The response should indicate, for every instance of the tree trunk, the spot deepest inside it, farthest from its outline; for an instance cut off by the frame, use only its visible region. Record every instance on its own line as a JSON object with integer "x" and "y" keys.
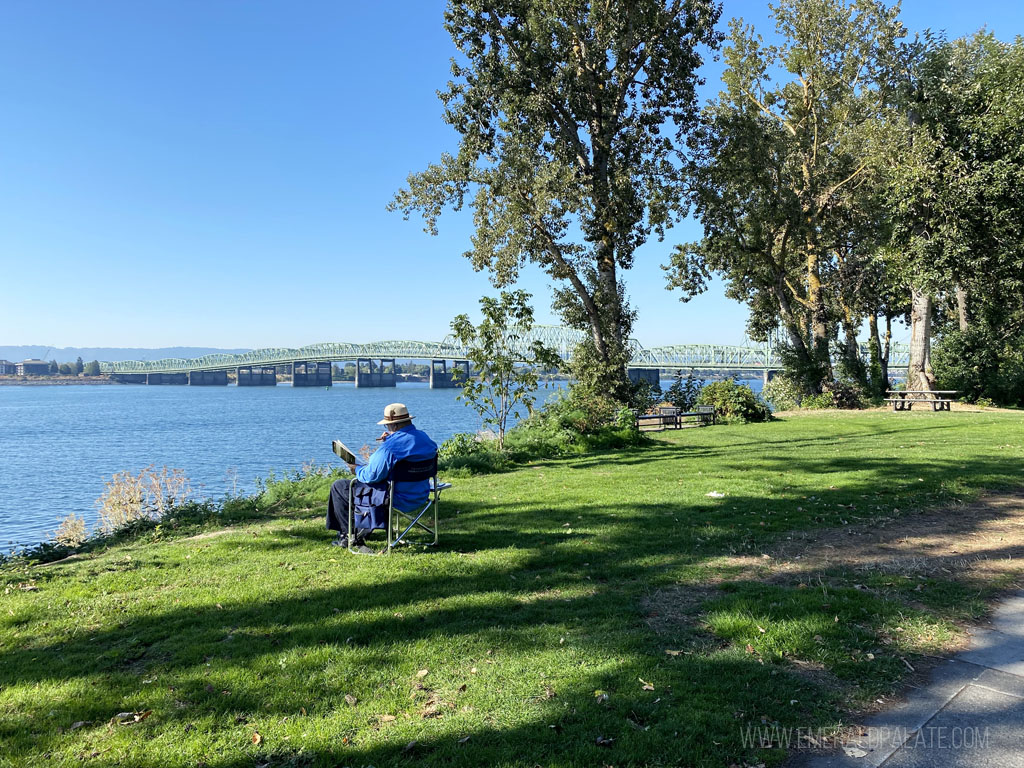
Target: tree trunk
{"x": 885, "y": 349}
{"x": 818, "y": 317}
{"x": 851, "y": 348}
{"x": 607, "y": 288}
{"x": 961, "y": 306}
{"x": 879, "y": 382}
{"x": 792, "y": 325}
{"x": 919, "y": 370}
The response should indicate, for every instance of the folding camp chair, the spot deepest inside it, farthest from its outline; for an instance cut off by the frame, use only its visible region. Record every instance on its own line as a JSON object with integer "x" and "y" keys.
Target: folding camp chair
{"x": 405, "y": 471}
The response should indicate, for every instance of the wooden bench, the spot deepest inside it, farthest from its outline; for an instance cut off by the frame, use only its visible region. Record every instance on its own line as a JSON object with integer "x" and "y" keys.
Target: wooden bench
{"x": 675, "y": 418}
{"x": 904, "y": 399}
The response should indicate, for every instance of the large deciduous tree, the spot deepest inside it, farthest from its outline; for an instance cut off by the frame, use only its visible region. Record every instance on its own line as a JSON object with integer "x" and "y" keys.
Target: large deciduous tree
{"x": 572, "y": 116}
{"x": 779, "y": 152}
{"x": 956, "y": 185}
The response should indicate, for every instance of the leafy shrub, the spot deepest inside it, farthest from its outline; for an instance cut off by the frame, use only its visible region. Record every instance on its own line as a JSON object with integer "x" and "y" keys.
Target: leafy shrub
{"x": 977, "y": 364}
{"x": 734, "y": 402}
{"x": 643, "y": 396}
{"x": 469, "y": 454}
{"x": 817, "y": 402}
{"x": 573, "y": 424}
{"x": 846, "y": 393}
{"x": 782, "y": 393}
{"x": 683, "y": 392}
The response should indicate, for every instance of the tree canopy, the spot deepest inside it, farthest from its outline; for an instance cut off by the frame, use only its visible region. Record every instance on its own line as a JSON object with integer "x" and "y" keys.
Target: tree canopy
{"x": 779, "y": 165}
{"x": 572, "y": 117}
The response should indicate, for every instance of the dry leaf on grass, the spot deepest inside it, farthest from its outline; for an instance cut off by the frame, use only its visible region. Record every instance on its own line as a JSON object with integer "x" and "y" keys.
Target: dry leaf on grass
{"x": 350, "y": 699}
{"x": 386, "y": 718}
{"x": 130, "y": 718}
{"x": 644, "y": 685}
{"x": 422, "y": 673}
{"x": 256, "y": 738}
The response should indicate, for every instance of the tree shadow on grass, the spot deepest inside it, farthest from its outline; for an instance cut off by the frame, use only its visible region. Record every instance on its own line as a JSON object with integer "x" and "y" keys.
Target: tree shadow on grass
{"x": 217, "y": 662}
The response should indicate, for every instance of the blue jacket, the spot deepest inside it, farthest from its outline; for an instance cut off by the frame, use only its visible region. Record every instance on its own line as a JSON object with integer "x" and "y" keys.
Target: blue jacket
{"x": 407, "y": 442}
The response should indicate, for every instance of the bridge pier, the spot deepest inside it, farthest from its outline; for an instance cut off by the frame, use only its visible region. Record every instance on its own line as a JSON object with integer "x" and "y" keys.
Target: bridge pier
{"x": 444, "y": 379}
{"x": 207, "y": 378}
{"x": 769, "y": 374}
{"x": 375, "y": 376}
{"x": 166, "y": 378}
{"x": 650, "y": 375}
{"x": 306, "y": 374}
{"x": 257, "y": 376}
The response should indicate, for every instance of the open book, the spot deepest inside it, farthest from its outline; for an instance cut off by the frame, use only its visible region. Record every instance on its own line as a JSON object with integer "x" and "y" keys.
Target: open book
{"x": 345, "y": 454}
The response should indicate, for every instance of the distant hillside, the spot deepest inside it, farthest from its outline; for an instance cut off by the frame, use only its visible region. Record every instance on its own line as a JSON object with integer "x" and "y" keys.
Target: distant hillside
{"x": 108, "y": 354}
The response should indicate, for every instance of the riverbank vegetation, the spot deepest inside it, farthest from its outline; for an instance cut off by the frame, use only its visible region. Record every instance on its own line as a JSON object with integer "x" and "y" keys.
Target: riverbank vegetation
{"x": 645, "y": 605}
{"x": 847, "y": 174}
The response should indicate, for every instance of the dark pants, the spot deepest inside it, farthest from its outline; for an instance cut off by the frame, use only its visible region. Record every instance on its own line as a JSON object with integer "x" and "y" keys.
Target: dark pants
{"x": 370, "y": 502}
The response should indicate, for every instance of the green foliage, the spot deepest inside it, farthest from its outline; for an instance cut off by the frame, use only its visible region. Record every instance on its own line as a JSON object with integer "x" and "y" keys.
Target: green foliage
{"x": 683, "y": 392}
{"x": 779, "y": 168}
{"x": 979, "y": 364}
{"x": 66, "y": 369}
{"x": 807, "y": 372}
{"x": 782, "y": 393}
{"x": 571, "y": 120}
{"x": 734, "y": 402}
{"x": 92, "y": 368}
{"x": 818, "y": 402}
{"x": 502, "y": 382}
{"x": 846, "y": 393}
{"x": 468, "y": 454}
{"x": 643, "y": 395}
{"x": 573, "y": 424}
{"x": 79, "y": 366}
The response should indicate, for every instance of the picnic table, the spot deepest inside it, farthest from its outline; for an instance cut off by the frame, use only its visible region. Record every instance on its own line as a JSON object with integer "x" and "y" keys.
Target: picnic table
{"x": 904, "y": 399}
{"x": 675, "y": 418}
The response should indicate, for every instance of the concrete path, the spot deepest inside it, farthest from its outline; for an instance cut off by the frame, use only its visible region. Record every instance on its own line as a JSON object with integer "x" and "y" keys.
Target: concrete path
{"x": 970, "y": 714}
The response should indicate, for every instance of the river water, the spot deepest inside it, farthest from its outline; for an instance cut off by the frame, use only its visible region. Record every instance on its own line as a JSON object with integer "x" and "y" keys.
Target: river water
{"x": 58, "y": 444}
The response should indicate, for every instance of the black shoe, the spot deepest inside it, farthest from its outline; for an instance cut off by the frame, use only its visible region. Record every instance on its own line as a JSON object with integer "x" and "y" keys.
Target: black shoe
{"x": 339, "y": 542}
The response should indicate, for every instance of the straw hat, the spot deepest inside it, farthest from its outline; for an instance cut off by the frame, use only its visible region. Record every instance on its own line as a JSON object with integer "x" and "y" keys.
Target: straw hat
{"x": 395, "y": 413}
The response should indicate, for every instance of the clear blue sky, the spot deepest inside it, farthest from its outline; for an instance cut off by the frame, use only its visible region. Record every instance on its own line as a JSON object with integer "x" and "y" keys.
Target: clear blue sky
{"x": 214, "y": 172}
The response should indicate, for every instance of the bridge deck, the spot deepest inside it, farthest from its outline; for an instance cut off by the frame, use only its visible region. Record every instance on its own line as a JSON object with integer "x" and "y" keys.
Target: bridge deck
{"x": 704, "y": 357}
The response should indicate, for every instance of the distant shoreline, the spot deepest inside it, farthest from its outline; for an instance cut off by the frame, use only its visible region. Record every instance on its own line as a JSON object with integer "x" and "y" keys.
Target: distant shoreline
{"x": 54, "y": 381}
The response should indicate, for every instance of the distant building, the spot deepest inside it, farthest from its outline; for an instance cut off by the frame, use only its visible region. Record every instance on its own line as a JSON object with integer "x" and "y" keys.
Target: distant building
{"x": 32, "y": 368}
{"x": 7, "y": 368}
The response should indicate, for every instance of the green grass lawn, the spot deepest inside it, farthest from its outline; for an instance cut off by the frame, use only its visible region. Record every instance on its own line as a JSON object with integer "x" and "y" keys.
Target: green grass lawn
{"x": 538, "y": 632}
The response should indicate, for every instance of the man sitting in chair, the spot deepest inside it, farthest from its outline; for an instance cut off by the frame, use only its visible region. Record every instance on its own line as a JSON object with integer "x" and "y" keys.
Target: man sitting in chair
{"x": 369, "y": 492}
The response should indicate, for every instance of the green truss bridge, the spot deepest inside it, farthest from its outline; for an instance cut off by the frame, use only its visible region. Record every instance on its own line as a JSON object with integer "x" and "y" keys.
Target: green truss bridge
{"x": 375, "y": 361}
